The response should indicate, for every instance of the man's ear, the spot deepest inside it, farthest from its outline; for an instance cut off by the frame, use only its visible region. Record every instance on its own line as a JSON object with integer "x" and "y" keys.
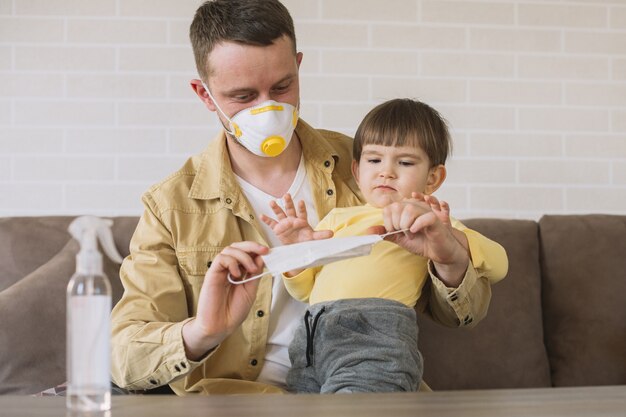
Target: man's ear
{"x": 436, "y": 177}
{"x": 355, "y": 170}
{"x": 299, "y": 58}
{"x": 203, "y": 95}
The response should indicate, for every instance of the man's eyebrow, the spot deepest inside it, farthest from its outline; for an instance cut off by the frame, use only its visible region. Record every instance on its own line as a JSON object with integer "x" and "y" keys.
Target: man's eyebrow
{"x": 245, "y": 90}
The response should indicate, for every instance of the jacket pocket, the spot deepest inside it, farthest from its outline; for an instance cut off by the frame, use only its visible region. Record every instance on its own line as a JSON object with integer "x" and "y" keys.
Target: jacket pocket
{"x": 194, "y": 263}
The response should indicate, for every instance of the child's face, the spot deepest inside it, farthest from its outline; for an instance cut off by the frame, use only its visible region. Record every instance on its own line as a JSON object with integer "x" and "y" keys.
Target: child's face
{"x": 388, "y": 174}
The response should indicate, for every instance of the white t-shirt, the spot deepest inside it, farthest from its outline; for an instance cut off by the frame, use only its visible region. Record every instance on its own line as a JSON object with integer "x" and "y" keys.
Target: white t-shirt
{"x": 285, "y": 312}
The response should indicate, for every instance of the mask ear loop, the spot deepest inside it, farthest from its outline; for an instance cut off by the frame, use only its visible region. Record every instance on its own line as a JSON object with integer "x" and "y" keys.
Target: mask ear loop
{"x": 244, "y": 280}
{"x": 219, "y": 108}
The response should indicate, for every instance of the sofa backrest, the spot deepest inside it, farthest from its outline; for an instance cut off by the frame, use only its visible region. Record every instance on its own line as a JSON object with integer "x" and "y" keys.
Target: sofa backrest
{"x": 583, "y": 262}
{"x": 506, "y": 349}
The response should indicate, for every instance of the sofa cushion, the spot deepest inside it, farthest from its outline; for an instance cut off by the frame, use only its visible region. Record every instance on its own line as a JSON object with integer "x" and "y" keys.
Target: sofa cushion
{"x": 32, "y": 347}
{"x": 506, "y": 348}
{"x": 27, "y": 243}
{"x": 584, "y": 280}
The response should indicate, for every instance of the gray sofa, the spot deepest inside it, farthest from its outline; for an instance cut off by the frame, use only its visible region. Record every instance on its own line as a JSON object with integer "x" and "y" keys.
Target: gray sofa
{"x": 558, "y": 319}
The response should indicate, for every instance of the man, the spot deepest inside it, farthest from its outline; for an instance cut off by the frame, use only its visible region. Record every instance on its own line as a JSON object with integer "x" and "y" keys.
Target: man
{"x": 178, "y": 322}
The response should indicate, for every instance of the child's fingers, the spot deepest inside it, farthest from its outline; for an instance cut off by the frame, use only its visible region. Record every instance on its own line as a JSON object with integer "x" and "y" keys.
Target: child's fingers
{"x": 433, "y": 202}
{"x": 302, "y": 210}
{"x": 289, "y": 207}
{"x": 268, "y": 221}
{"x": 445, "y": 207}
{"x": 280, "y": 214}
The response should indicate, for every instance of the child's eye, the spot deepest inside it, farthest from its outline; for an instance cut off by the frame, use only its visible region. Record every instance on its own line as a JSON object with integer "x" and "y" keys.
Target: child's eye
{"x": 406, "y": 163}
{"x": 373, "y": 160}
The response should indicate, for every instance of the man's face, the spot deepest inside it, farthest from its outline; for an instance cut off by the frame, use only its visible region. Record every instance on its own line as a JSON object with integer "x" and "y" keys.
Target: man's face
{"x": 388, "y": 174}
{"x": 243, "y": 76}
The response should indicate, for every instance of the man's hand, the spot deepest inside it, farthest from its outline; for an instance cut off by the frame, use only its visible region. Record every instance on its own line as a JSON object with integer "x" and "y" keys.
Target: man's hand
{"x": 291, "y": 225}
{"x": 222, "y": 306}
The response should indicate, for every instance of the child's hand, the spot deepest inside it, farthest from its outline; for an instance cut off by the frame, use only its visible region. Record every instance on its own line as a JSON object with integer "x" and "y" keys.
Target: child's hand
{"x": 291, "y": 225}
{"x": 430, "y": 235}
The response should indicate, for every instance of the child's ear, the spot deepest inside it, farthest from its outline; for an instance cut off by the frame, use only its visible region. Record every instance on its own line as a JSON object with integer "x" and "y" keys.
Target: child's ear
{"x": 436, "y": 177}
{"x": 355, "y": 170}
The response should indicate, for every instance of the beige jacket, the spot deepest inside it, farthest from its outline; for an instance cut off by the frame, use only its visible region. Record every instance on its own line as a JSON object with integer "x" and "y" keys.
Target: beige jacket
{"x": 189, "y": 218}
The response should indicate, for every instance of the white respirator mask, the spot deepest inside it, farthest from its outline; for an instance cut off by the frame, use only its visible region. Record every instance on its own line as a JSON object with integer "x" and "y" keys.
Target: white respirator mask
{"x": 264, "y": 129}
{"x": 315, "y": 253}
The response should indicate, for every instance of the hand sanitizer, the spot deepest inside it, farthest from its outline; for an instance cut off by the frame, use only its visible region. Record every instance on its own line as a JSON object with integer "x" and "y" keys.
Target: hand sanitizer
{"x": 88, "y": 318}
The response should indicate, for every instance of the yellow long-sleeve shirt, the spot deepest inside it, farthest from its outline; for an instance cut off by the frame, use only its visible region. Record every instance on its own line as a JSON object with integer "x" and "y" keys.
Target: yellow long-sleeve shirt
{"x": 389, "y": 271}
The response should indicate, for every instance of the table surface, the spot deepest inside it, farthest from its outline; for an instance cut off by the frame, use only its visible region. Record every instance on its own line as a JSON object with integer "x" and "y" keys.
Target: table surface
{"x": 544, "y": 402}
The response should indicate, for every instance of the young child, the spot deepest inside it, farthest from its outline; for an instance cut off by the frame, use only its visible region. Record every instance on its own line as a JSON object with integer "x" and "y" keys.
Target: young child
{"x": 359, "y": 332}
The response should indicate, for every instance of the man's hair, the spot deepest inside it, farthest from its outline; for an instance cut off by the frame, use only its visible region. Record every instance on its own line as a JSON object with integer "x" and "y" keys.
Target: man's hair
{"x": 248, "y": 22}
{"x": 405, "y": 122}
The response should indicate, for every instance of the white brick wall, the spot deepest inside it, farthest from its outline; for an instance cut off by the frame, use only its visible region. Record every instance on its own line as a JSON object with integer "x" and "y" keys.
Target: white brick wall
{"x": 95, "y": 103}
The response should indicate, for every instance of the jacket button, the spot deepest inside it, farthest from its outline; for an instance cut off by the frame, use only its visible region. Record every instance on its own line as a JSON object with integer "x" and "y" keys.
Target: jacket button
{"x": 254, "y": 362}
{"x": 260, "y": 313}
{"x": 153, "y": 381}
{"x": 228, "y": 201}
{"x": 330, "y": 192}
{"x": 326, "y": 164}
{"x": 208, "y": 264}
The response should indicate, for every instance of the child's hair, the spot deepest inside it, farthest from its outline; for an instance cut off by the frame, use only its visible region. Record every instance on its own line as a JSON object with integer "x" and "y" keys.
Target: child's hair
{"x": 249, "y": 22}
{"x": 405, "y": 122}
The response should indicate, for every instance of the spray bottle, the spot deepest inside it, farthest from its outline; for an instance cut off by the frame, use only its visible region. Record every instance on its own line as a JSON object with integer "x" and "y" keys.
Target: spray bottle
{"x": 88, "y": 318}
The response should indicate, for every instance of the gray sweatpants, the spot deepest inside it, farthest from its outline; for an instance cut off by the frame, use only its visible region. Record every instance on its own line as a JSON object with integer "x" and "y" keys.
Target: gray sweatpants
{"x": 356, "y": 345}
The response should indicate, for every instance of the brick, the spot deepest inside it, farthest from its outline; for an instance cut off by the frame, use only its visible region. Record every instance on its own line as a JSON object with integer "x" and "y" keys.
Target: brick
{"x": 619, "y": 173}
{"x": 336, "y": 35}
{"x": 6, "y": 59}
{"x": 6, "y": 6}
{"x": 618, "y": 121}
{"x": 617, "y": 17}
{"x": 508, "y": 40}
{"x": 179, "y": 86}
{"x": 22, "y": 29}
{"x": 68, "y": 59}
{"x": 5, "y": 168}
{"x": 66, "y": 7}
{"x": 563, "y": 119}
{"x": 168, "y": 9}
{"x": 60, "y": 113}
{"x": 30, "y": 141}
{"x": 117, "y": 141}
{"x": 429, "y": 90}
{"x": 380, "y": 62}
{"x": 106, "y": 198}
{"x": 563, "y": 67}
{"x": 515, "y": 145}
{"x": 596, "y": 94}
{"x": 299, "y": 9}
{"x": 162, "y": 114}
{"x": 5, "y": 112}
{"x": 373, "y": 10}
{"x": 189, "y": 141}
{"x": 562, "y": 16}
{"x": 17, "y": 85}
{"x": 467, "y": 65}
{"x": 515, "y": 92}
{"x": 563, "y": 172}
{"x": 480, "y": 171}
{"x": 594, "y": 43}
{"x": 595, "y": 146}
{"x": 481, "y": 12}
{"x": 519, "y": 198}
{"x": 116, "y": 86}
{"x": 162, "y": 58}
{"x": 311, "y": 62}
{"x": 605, "y": 200}
{"x": 478, "y": 117}
{"x": 456, "y": 196}
{"x": 460, "y": 144}
{"x": 150, "y": 169}
{"x": 19, "y": 199}
{"x": 343, "y": 116}
{"x": 62, "y": 168}
{"x": 619, "y": 69}
{"x": 116, "y": 31}
{"x": 335, "y": 88}
{"x": 418, "y": 37}
{"x": 178, "y": 32}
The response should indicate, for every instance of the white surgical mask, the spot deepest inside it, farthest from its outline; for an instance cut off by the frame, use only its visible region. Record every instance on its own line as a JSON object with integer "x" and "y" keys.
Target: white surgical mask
{"x": 264, "y": 129}
{"x": 314, "y": 253}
